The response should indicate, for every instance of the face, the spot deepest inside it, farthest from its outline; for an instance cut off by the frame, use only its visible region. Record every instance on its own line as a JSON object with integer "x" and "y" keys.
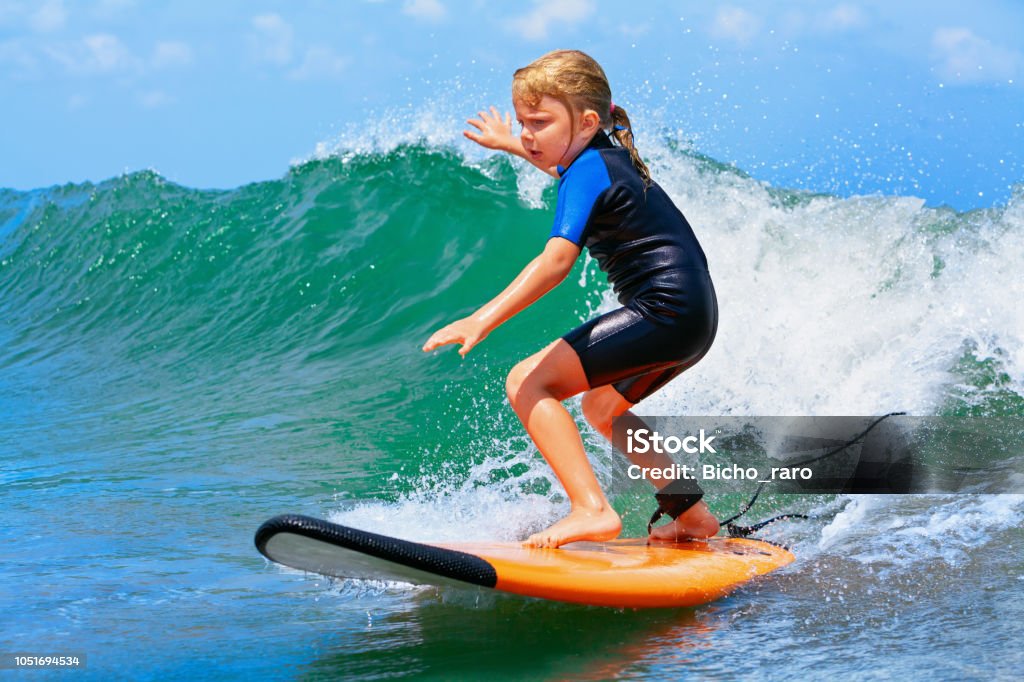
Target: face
{"x": 547, "y": 133}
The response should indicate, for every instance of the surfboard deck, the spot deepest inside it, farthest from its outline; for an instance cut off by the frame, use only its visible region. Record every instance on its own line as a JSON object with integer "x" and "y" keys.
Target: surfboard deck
{"x": 630, "y": 573}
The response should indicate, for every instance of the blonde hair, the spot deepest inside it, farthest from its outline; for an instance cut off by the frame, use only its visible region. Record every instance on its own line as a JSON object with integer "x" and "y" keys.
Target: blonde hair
{"x": 578, "y": 82}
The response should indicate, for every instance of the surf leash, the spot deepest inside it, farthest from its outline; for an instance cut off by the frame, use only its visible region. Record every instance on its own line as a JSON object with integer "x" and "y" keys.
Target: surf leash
{"x": 681, "y": 494}
{"x": 737, "y": 531}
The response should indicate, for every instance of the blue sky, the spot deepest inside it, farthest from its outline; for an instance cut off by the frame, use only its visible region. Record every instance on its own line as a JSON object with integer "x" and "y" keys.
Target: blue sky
{"x": 859, "y": 96}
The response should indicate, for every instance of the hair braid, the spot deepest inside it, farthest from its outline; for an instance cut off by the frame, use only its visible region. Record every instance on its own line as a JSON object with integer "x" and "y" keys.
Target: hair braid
{"x": 623, "y": 133}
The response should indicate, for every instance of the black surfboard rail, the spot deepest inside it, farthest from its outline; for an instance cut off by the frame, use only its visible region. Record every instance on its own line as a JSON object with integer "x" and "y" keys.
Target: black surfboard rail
{"x": 437, "y": 560}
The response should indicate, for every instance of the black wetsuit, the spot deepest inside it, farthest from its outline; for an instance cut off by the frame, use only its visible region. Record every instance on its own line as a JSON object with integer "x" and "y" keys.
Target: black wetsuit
{"x": 654, "y": 263}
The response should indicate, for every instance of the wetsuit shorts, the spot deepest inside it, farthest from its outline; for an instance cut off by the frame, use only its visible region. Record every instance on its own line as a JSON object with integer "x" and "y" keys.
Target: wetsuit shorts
{"x": 637, "y": 354}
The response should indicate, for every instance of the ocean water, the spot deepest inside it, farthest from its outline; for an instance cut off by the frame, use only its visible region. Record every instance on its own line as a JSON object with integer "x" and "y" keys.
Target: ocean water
{"x": 178, "y": 365}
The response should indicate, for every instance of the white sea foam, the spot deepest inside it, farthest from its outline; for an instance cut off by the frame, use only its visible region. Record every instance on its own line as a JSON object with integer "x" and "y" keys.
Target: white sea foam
{"x": 844, "y": 306}
{"x": 901, "y": 531}
{"x": 486, "y": 505}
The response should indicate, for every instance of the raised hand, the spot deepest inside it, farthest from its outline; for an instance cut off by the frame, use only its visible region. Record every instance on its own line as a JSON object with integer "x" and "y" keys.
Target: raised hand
{"x": 495, "y": 132}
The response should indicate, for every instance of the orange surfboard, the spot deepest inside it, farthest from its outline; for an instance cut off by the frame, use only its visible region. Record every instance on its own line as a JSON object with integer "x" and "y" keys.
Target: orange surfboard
{"x": 630, "y": 573}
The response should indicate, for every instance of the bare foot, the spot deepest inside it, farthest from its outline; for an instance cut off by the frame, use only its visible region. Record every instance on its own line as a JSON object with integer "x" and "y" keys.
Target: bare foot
{"x": 696, "y": 523}
{"x": 581, "y": 524}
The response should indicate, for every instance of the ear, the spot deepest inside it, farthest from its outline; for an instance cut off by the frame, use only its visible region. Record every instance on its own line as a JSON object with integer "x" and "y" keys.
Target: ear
{"x": 590, "y": 121}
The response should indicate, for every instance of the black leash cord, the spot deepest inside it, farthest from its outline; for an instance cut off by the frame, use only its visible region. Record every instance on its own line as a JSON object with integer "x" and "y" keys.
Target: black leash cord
{"x": 743, "y": 531}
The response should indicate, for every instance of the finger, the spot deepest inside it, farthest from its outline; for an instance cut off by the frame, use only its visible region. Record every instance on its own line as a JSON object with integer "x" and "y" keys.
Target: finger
{"x": 479, "y": 125}
{"x": 433, "y": 342}
{"x": 495, "y": 113}
{"x": 471, "y": 135}
{"x": 468, "y": 345}
{"x": 431, "y": 346}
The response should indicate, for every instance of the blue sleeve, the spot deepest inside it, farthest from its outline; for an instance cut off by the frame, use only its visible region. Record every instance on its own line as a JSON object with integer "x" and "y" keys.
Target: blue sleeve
{"x": 579, "y": 190}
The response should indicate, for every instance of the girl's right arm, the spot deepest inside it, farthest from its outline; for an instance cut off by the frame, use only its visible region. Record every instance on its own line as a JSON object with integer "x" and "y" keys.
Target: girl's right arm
{"x": 539, "y": 276}
{"x": 496, "y": 133}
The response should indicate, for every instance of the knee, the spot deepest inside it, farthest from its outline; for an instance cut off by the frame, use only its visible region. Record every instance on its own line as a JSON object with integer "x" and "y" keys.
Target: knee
{"x": 527, "y": 383}
{"x": 515, "y": 382}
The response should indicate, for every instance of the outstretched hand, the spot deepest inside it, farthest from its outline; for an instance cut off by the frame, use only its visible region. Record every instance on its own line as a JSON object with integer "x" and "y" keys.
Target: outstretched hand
{"x": 495, "y": 132}
{"x": 466, "y": 331}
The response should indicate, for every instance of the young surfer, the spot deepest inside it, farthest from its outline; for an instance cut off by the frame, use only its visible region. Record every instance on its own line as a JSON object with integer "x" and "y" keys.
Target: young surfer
{"x": 607, "y": 203}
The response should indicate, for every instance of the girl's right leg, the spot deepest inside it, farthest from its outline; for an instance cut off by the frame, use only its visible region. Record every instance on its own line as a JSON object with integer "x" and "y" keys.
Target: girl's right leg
{"x": 602, "y": 405}
{"x": 536, "y": 388}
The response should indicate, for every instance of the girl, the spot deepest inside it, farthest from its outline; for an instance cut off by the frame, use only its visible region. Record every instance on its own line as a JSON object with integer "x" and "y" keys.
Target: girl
{"x": 608, "y": 203}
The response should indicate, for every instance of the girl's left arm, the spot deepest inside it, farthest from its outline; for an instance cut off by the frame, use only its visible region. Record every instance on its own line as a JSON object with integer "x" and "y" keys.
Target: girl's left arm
{"x": 540, "y": 276}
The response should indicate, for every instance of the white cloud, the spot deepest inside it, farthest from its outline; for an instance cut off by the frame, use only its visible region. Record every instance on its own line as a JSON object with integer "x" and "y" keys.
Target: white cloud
{"x": 820, "y": 24}
{"x": 106, "y": 52}
{"x": 546, "y": 13}
{"x": 112, "y": 10}
{"x": 10, "y": 11}
{"x": 431, "y": 10}
{"x": 18, "y": 55}
{"x": 51, "y": 16}
{"x": 843, "y": 17}
{"x": 41, "y": 17}
{"x": 97, "y": 53}
{"x": 272, "y": 41}
{"x": 320, "y": 62}
{"x": 171, "y": 53}
{"x": 154, "y": 99}
{"x": 632, "y": 30}
{"x": 963, "y": 57}
{"x": 114, "y": 6}
{"x": 736, "y": 24}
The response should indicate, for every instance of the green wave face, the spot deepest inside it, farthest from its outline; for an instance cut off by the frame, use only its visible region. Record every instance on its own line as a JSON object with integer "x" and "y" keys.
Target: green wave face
{"x": 298, "y": 306}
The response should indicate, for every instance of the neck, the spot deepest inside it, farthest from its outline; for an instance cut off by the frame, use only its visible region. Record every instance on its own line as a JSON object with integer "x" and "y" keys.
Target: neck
{"x": 576, "y": 148}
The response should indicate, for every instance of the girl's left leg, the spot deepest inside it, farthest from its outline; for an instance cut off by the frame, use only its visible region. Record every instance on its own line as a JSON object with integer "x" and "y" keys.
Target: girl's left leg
{"x": 536, "y": 388}
{"x": 600, "y": 407}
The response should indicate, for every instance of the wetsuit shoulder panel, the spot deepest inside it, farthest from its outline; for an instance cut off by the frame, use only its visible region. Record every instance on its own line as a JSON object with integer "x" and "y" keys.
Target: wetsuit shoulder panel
{"x": 585, "y": 181}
